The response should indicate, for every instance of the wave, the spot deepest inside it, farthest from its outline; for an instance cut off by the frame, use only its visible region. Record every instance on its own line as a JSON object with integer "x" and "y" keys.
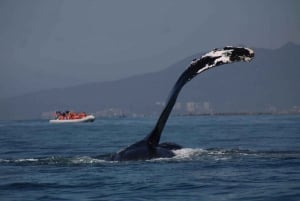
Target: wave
{"x": 185, "y": 154}
{"x": 29, "y": 186}
{"x": 54, "y": 160}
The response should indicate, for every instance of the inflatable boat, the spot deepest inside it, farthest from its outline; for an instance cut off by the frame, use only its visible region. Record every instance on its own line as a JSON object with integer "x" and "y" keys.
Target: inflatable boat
{"x": 88, "y": 118}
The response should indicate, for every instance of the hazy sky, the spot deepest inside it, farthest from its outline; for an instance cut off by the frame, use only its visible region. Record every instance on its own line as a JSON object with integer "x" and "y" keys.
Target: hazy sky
{"x": 46, "y": 44}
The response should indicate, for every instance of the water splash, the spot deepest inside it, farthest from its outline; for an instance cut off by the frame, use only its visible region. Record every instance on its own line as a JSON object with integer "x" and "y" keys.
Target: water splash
{"x": 185, "y": 154}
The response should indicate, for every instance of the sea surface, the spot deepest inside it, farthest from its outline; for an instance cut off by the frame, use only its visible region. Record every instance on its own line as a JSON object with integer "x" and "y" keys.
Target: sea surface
{"x": 255, "y": 157}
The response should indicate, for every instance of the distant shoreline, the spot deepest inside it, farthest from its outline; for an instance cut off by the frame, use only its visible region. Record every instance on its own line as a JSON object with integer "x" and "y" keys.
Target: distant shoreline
{"x": 176, "y": 115}
{"x": 240, "y": 113}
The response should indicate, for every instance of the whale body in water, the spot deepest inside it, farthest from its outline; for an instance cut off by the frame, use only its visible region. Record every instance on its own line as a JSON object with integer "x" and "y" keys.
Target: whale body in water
{"x": 149, "y": 147}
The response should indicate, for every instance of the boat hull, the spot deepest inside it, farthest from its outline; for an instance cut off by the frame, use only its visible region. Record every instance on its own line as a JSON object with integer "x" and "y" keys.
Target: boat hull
{"x": 89, "y": 118}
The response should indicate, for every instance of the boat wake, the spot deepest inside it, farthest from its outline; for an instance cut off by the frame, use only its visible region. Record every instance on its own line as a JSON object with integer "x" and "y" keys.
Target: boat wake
{"x": 185, "y": 154}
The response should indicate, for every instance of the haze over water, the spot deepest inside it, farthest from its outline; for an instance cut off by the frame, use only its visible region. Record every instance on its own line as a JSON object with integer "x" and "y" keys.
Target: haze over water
{"x": 59, "y": 43}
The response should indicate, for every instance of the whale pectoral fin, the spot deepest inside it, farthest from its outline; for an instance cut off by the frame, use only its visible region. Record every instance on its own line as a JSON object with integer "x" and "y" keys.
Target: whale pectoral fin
{"x": 149, "y": 147}
{"x": 217, "y": 57}
{"x": 153, "y": 138}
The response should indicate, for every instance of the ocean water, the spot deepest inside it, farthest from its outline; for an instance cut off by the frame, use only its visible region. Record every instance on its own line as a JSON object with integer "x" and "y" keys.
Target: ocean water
{"x": 225, "y": 158}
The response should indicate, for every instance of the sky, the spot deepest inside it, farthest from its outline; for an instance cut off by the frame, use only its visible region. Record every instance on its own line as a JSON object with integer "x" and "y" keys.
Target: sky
{"x": 60, "y": 43}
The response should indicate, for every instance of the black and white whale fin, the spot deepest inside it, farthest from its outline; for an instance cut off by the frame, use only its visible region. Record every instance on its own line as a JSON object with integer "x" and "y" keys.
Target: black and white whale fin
{"x": 228, "y": 54}
{"x": 216, "y": 57}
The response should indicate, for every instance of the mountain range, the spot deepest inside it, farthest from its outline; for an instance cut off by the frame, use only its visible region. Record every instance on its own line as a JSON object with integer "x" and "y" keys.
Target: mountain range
{"x": 270, "y": 83}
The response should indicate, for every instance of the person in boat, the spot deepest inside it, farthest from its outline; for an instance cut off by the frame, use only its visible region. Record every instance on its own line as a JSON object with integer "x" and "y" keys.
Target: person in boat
{"x": 74, "y": 115}
{"x": 69, "y": 115}
{"x": 82, "y": 115}
{"x": 58, "y": 115}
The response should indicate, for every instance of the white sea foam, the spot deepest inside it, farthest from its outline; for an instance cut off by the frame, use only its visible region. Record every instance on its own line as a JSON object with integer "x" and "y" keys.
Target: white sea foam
{"x": 187, "y": 153}
{"x": 86, "y": 160}
{"x": 26, "y": 160}
{"x": 4, "y": 161}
